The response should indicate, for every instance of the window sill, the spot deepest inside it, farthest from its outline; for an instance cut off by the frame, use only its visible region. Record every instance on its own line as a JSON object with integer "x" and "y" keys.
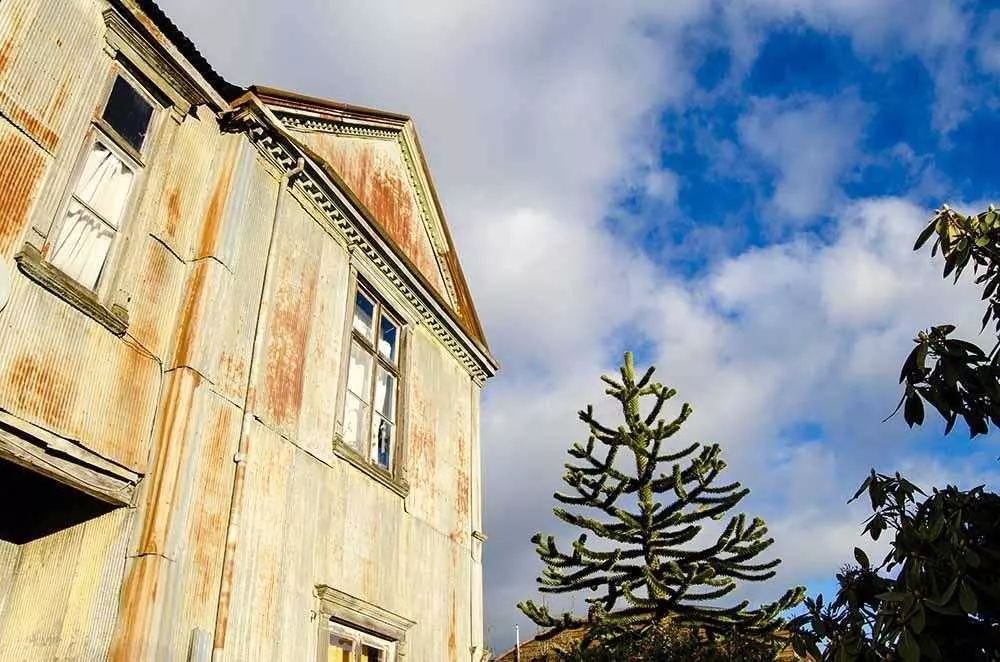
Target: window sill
{"x": 348, "y": 454}
{"x": 32, "y": 265}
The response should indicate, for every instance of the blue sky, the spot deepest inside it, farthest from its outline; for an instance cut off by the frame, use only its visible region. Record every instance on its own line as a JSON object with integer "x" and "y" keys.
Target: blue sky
{"x": 730, "y": 188}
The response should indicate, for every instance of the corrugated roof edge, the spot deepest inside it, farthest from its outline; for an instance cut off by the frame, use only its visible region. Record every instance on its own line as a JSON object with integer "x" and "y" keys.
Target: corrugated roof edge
{"x": 227, "y": 90}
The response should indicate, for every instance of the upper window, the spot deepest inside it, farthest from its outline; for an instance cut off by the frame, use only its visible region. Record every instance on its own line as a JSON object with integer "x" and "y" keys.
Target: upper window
{"x": 350, "y": 645}
{"x": 102, "y": 185}
{"x": 370, "y": 406}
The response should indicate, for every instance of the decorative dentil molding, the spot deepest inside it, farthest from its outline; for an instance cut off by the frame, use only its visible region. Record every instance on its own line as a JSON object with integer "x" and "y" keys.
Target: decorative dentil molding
{"x": 282, "y": 154}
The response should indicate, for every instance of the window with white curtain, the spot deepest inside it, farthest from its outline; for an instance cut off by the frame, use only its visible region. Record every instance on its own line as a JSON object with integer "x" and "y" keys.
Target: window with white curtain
{"x": 102, "y": 186}
{"x": 370, "y": 405}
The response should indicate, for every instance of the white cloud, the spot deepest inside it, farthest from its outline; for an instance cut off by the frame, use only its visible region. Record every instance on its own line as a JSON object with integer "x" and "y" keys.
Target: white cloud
{"x": 811, "y": 143}
{"x": 532, "y": 114}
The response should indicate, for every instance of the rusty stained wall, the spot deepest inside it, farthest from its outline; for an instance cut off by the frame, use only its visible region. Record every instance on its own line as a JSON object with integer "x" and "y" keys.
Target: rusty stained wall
{"x": 69, "y": 614}
{"x": 311, "y": 518}
{"x": 375, "y": 170}
{"x": 173, "y": 572}
{"x": 53, "y": 70}
{"x": 46, "y": 57}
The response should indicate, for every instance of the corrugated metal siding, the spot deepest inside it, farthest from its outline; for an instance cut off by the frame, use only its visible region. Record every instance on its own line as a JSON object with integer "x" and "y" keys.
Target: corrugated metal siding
{"x": 47, "y": 51}
{"x": 439, "y": 424}
{"x": 297, "y": 386}
{"x": 377, "y": 174}
{"x": 256, "y": 586}
{"x": 217, "y": 321}
{"x": 9, "y": 555}
{"x": 63, "y": 600}
{"x": 66, "y": 373}
{"x": 183, "y": 520}
{"x": 187, "y": 182}
{"x": 22, "y": 165}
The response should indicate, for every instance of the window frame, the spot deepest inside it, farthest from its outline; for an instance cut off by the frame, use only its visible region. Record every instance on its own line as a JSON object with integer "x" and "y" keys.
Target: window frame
{"x": 336, "y": 609}
{"x": 100, "y": 131}
{"x": 393, "y": 475}
{"x": 378, "y": 360}
{"x": 338, "y": 627}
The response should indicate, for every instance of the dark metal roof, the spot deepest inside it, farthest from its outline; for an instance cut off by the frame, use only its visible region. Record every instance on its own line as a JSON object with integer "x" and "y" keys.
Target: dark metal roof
{"x": 227, "y": 90}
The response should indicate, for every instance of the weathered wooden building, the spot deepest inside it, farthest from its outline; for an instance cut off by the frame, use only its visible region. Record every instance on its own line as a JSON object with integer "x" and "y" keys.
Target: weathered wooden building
{"x": 239, "y": 364}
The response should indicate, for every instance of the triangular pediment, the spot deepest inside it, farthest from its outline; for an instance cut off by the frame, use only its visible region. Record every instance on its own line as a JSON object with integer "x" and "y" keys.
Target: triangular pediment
{"x": 377, "y": 156}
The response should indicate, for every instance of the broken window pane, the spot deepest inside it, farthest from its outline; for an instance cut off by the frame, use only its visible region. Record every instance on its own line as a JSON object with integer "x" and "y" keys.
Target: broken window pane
{"x": 360, "y": 372}
{"x": 388, "y": 339}
{"x": 385, "y": 394}
{"x": 82, "y": 246}
{"x": 128, "y": 113}
{"x": 355, "y": 422}
{"x": 381, "y": 451}
{"x": 364, "y": 316}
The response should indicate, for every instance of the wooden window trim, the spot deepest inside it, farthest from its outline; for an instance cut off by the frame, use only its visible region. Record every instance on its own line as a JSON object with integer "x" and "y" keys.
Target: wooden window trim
{"x": 356, "y": 613}
{"x": 393, "y": 478}
{"x": 32, "y": 259}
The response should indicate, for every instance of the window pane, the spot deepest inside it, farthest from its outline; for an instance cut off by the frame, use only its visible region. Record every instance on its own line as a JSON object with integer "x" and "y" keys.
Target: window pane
{"x": 381, "y": 449}
{"x": 104, "y": 184}
{"x": 388, "y": 339}
{"x": 359, "y": 377}
{"x": 364, "y": 316}
{"x": 340, "y": 649}
{"x": 82, "y": 246}
{"x": 371, "y": 654}
{"x": 128, "y": 113}
{"x": 355, "y": 423}
{"x": 385, "y": 394}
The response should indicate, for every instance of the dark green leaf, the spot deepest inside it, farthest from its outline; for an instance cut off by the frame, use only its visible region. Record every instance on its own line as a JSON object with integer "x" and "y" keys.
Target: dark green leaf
{"x": 924, "y": 235}
{"x": 862, "y": 558}
{"x": 966, "y": 598}
{"x": 913, "y": 411}
{"x": 909, "y": 651}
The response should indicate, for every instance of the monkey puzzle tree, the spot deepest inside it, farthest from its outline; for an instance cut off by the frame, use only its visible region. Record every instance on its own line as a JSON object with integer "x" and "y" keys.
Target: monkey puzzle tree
{"x": 651, "y": 501}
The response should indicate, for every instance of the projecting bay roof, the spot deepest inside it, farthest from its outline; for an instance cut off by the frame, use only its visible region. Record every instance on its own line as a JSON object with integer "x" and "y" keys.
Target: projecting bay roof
{"x": 374, "y": 155}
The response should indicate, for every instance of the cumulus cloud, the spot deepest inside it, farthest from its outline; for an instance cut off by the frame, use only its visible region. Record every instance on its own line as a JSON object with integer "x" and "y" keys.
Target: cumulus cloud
{"x": 811, "y": 143}
{"x": 533, "y": 115}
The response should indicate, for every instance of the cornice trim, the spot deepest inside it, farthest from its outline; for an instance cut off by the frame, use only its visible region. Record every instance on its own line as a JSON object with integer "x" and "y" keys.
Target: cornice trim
{"x": 169, "y": 77}
{"x": 431, "y": 221}
{"x": 269, "y": 136}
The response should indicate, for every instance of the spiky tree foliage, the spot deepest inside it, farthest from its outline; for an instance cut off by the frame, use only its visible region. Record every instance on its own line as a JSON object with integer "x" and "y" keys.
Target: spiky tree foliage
{"x": 651, "y": 500}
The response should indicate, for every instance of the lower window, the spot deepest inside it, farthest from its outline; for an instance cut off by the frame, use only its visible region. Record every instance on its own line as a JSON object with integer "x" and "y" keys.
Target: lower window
{"x": 350, "y": 645}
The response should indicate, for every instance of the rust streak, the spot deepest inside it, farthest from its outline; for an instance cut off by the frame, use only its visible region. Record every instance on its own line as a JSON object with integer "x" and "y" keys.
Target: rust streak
{"x": 173, "y": 210}
{"x": 43, "y": 389}
{"x": 289, "y": 335}
{"x": 21, "y": 169}
{"x": 187, "y": 323}
{"x": 212, "y": 222}
{"x": 452, "y": 627}
{"x": 45, "y": 136}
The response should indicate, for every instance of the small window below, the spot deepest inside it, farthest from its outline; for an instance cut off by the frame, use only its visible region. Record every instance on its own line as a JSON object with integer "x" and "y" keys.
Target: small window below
{"x": 348, "y": 644}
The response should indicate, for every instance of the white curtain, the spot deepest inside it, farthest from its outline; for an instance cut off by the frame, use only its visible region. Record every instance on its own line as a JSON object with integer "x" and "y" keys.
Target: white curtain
{"x": 84, "y": 240}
